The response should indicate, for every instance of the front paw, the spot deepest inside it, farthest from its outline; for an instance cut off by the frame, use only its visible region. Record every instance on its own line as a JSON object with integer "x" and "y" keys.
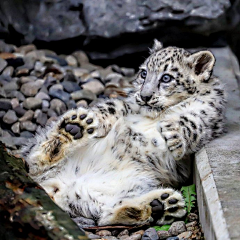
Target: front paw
{"x": 79, "y": 123}
{"x": 175, "y": 141}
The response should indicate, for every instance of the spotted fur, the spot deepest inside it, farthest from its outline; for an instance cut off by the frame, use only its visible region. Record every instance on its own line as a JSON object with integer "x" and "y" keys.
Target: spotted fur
{"x": 117, "y": 161}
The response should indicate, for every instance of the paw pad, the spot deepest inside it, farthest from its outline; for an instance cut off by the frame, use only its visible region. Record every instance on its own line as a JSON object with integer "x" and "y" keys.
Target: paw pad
{"x": 74, "y": 130}
{"x": 173, "y": 201}
{"x": 90, "y": 130}
{"x": 157, "y": 209}
{"x": 164, "y": 196}
{"x": 89, "y": 121}
{"x": 83, "y": 116}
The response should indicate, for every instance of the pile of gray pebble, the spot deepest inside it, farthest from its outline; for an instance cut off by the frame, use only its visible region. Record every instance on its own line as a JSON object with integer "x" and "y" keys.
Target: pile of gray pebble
{"x": 37, "y": 86}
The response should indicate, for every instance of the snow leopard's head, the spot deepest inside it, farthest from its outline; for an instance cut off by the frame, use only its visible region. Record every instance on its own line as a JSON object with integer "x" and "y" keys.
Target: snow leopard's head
{"x": 170, "y": 75}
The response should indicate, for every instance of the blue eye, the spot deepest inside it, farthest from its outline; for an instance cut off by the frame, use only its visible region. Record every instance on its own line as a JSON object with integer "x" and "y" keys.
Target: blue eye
{"x": 144, "y": 74}
{"x": 166, "y": 78}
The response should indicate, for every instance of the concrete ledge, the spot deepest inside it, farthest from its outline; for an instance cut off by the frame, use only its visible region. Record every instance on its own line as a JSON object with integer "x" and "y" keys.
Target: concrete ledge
{"x": 210, "y": 208}
{"x": 217, "y": 166}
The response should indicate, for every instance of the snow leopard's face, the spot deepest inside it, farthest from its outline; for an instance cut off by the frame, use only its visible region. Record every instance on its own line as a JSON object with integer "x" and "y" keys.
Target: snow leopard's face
{"x": 170, "y": 75}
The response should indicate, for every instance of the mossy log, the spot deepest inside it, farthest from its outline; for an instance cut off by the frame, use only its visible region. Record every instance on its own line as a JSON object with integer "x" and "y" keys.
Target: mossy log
{"x": 26, "y": 211}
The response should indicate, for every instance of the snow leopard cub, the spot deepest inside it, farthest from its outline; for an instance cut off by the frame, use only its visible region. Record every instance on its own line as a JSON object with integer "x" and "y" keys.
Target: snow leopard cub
{"x": 116, "y": 163}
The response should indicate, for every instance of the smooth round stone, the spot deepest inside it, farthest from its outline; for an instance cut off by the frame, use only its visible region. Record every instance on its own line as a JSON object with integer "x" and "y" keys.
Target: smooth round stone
{"x": 59, "y": 93}
{"x": 16, "y": 94}
{"x": 58, "y": 106}
{"x": 83, "y": 94}
{"x": 61, "y": 61}
{"x": 94, "y": 86}
{"x": 79, "y": 72}
{"x": 127, "y": 72}
{"x": 28, "y": 116}
{"x": 172, "y": 238}
{"x": 42, "y": 119}
{"x": 103, "y": 233}
{"x": 163, "y": 234}
{"x": 191, "y": 224}
{"x": 93, "y": 236}
{"x": 82, "y": 103}
{"x": 32, "y": 103}
{"x": 29, "y": 126}
{"x": 26, "y": 134}
{"x": 51, "y": 113}
{"x": 116, "y": 69}
{"x": 113, "y": 80}
{"x": 27, "y": 79}
{"x": 122, "y": 233}
{"x": 56, "y": 87}
{"x": 30, "y": 89}
{"x": 81, "y": 57}
{"x": 192, "y": 217}
{"x": 2, "y": 93}
{"x": 12, "y": 86}
{"x": 16, "y": 128}
{"x": 72, "y": 61}
{"x": 70, "y": 86}
{"x": 45, "y": 104}
{"x": 5, "y": 104}
{"x": 110, "y": 238}
{"x": 19, "y": 111}
{"x": 8, "y": 71}
{"x": 37, "y": 113}
{"x": 185, "y": 235}
{"x": 150, "y": 234}
{"x": 50, "y": 81}
{"x": 3, "y": 64}
{"x": 39, "y": 67}
{"x": 177, "y": 228}
{"x": 134, "y": 237}
{"x": 14, "y": 102}
{"x": 10, "y": 117}
{"x": 43, "y": 96}
{"x": 26, "y": 48}
{"x": 71, "y": 104}
{"x": 22, "y": 72}
{"x": 139, "y": 232}
{"x": 2, "y": 113}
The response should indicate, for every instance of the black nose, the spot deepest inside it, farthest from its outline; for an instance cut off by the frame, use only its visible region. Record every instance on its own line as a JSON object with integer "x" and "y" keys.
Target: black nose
{"x": 146, "y": 98}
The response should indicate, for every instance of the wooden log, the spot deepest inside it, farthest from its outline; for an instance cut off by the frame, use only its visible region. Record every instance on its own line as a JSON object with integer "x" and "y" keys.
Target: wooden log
{"x": 26, "y": 211}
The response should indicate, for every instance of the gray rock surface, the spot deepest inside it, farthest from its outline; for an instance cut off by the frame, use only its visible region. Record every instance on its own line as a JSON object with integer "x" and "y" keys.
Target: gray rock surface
{"x": 3, "y": 64}
{"x": 32, "y": 103}
{"x": 177, "y": 228}
{"x": 10, "y": 117}
{"x": 150, "y": 234}
{"x": 99, "y": 18}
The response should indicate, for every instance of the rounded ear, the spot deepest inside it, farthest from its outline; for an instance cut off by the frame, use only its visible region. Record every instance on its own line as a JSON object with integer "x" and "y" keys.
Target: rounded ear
{"x": 202, "y": 63}
{"x": 156, "y": 46}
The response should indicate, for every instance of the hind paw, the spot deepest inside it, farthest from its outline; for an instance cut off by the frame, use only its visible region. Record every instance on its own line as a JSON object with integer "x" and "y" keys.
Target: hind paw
{"x": 168, "y": 205}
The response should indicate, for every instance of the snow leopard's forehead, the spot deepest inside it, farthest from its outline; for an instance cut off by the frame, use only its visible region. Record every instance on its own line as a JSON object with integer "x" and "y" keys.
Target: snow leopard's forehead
{"x": 166, "y": 58}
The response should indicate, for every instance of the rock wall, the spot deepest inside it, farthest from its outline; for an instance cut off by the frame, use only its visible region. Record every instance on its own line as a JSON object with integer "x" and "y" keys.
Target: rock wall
{"x": 52, "y": 20}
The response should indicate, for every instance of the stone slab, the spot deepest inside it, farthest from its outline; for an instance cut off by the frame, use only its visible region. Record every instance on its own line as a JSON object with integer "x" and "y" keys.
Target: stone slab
{"x": 217, "y": 166}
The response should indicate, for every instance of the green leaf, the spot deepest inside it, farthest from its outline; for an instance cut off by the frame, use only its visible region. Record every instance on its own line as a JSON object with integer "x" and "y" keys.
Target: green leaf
{"x": 189, "y": 194}
{"x": 162, "y": 228}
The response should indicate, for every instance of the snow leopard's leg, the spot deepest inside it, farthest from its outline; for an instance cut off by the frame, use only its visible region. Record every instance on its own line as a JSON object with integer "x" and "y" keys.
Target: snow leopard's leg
{"x": 187, "y": 131}
{"x": 73, "y": 130}
{"x": 161, "y": 206}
